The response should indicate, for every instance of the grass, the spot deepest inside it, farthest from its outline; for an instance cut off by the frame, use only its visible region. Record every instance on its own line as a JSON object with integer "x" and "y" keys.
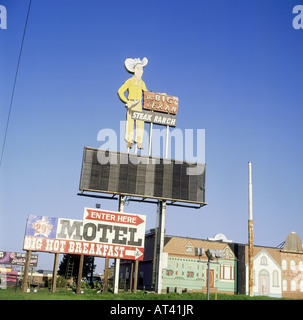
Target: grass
{"x": 89, "y": 294}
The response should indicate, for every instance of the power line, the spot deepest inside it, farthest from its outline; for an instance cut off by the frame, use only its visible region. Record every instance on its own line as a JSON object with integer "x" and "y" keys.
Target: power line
{"x": 15, "y": 81}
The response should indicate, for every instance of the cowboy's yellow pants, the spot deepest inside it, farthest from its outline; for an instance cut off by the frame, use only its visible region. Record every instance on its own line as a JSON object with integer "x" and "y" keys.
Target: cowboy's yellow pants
{"x": 130, "y": 123}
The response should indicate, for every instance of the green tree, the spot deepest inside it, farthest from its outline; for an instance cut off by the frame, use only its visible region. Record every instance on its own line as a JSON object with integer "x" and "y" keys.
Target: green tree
{"x": 73, "y": 259}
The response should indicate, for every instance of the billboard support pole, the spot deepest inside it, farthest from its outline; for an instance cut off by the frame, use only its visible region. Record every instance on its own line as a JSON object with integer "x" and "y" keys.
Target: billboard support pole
{"x": 117, "y": 261}
{"x": 80, "y": 273}
{"x": 105, "y": 278}
{"x": 161, "y": 213}
{"x": 166, "y": 142}
{"x": 54, "y": 282}
{"x": 26, "y": 269}
{"x": 160, "y": 245}
{"x": 135, "y": 284}
{"x": 136, "y": 276}
{"x": 150, "y": 138}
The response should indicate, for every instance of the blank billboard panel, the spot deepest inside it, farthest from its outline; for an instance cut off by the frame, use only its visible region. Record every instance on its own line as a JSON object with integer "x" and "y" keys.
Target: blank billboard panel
{"x": 141, "y": 176}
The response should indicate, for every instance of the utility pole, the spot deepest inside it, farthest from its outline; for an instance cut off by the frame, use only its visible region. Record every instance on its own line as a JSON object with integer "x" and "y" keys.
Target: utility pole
{"x": 250, "y": 235}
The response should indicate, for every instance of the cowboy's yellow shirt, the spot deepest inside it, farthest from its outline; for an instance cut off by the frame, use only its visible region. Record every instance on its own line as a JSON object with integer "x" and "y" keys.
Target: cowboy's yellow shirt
{"x": 134, "y": 88}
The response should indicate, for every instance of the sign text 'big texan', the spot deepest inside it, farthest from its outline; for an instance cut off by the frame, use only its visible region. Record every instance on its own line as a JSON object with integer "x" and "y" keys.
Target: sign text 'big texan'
{"x": 160, "y": 102}
{"x": 101, "y": 233}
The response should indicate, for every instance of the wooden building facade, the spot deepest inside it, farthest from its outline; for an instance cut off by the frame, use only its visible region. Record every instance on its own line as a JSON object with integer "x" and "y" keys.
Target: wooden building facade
{"x": 277, "y": 272}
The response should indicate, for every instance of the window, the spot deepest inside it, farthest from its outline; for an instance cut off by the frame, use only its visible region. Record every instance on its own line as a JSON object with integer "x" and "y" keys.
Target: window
{"x": 284, "y": 264}
{"x": 275, "y": 278}
{"x": 292, "y": 265}
{"x": 190, "y": 274}
{"x": 284, "y": 285}
{"x": 264, "y": 261}
{"x": 228, "y": 254}
{"x": 227, "y": 272}
{"x": 301, "y": 285}
{"x": 293, "y": 285}
{"x": 169, "y": 272}
{"x": 301, "y": 266}
{"x": 189, "y": 248}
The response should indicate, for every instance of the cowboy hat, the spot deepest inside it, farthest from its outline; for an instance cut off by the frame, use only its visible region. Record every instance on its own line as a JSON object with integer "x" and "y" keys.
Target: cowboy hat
{"x": 131, "y": 63}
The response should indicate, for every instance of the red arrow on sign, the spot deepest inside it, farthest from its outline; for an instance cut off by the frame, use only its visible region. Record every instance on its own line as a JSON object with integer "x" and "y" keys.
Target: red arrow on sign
{"x": 116, "y": 217}
{"x": 132, "y": 253}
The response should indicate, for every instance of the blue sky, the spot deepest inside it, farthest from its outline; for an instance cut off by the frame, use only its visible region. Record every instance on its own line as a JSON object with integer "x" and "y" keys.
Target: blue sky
{"x": 236, "y": 67}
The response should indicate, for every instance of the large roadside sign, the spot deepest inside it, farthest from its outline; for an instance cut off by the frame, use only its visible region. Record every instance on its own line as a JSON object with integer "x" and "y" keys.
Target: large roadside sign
{"x": 142, "y": 176}
{"x": 17, "y": 258}
{"x": 121, "y": 237}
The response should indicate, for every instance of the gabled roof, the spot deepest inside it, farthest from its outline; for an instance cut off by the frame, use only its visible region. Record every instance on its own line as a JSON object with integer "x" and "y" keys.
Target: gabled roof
{"x": 179, "y": 245}
{"x": 273, "y": 252}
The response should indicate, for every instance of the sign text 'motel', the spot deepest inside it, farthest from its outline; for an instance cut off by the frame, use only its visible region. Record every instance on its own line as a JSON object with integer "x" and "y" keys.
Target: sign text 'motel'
{"x": 116, "y": 235}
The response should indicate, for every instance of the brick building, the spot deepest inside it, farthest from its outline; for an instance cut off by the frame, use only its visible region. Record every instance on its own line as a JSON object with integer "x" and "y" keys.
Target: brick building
{"x": 292, "y": 267}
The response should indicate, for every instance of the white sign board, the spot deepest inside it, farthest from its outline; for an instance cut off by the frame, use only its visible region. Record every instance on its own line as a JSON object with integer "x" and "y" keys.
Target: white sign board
{"x": 101, "y": 234}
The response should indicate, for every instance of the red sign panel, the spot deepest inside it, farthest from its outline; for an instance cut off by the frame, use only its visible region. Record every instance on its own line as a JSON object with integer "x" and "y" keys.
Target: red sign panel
{"x": 83, "y": 247}
{"x": 160, "y": 102}
{"x": 112, "y": 216}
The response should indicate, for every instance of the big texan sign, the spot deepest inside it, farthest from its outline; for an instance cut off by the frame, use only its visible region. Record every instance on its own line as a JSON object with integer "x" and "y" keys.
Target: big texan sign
{"x": 159, "y": 108}
{"x": 101, "y": 234}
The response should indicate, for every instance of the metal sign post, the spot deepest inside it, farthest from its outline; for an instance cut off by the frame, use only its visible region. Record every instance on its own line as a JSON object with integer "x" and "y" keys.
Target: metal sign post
{"x": 166, "y": 142}
{"x": 160, "y": 244}
{"x": 150, "y": 138}
{"x": 161, "y": 213}
{"x": 117, "y": 261}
